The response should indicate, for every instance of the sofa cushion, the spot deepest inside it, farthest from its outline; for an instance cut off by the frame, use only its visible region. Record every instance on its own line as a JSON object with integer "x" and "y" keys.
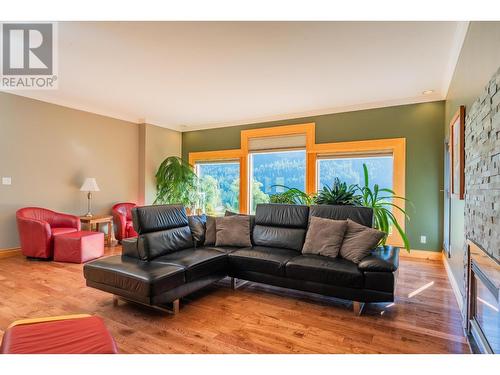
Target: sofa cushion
{"x": 233, "y": 231}
{"x": 197, "y": 224}
{"x": 324, "y": 236}
{"x": 326, "y": 270}
{"x": 282, "y": 215}
{"x": 361, "y": 215}
{"x": 197, "y": 262}
{"x": 286, "y": 238}
{"x": 154, "y": 244}
{"x": 359, "y": 241}
{"x": 161, "y": 217}
{"x": 142, "y": 278}
{"x": 261, "y": 259}
{"x": 280, "y": 226}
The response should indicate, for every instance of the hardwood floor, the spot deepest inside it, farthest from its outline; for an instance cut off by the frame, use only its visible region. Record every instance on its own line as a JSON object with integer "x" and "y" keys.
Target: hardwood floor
{"x": 253, "y": 319}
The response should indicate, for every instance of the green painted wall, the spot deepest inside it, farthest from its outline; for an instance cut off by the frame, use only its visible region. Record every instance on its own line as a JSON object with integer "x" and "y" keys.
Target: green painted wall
{"x": 420, "y": 124}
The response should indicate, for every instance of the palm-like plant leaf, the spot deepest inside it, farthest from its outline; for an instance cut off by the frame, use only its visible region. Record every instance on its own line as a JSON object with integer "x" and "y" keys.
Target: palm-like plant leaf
{"x": 291, "y": 196}
{"x": 175, "y": 181}
{"x": 383, "y": 205}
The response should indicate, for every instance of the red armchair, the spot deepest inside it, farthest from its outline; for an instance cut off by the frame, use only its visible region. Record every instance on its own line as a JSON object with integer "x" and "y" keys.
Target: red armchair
{"x": 37, "y": 228}
{"x": 122, "y": 217}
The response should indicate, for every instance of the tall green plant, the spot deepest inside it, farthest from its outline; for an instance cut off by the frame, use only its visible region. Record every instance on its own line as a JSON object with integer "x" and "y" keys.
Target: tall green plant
{"x": 176, "y": 182}
{"x": 339, "y": 194}
{"x": 381, "y": 200}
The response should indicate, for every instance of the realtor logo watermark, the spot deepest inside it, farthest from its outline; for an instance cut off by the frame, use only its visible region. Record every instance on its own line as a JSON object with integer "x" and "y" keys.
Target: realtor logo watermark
{"x": 28, "y": 56}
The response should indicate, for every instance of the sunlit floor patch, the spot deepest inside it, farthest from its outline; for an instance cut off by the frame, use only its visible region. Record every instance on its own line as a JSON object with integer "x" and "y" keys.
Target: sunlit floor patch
{"x": 420, "y": 290}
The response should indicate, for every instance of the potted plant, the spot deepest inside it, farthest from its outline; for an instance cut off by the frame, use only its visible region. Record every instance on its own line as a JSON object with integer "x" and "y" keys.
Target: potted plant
{"x": 176, "y": 182}
{"x": 339, "y": 194}
{"x": 381, "y": 200}
{"x": 291, "y": 196}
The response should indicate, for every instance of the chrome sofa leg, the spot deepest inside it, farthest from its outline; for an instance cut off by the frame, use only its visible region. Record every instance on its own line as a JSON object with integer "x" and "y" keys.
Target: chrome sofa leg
{"x": 175, "y": 307}
{"x": 174, "y": 310}
{"x": 357, "y": 307}
{"x": 234, "y": 283}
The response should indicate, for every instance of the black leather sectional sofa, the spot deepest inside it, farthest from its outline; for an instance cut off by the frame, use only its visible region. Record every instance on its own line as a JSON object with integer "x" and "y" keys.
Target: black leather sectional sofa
{"x": 168, "y": 261}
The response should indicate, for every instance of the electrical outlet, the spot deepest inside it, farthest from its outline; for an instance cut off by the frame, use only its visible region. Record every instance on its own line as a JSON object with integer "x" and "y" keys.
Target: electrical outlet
{"x": 423, "y": 239}
{"x": 6, "y": 181}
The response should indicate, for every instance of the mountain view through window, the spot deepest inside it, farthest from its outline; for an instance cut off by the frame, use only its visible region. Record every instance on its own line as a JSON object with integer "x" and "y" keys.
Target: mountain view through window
{"x": 269, "y": 171}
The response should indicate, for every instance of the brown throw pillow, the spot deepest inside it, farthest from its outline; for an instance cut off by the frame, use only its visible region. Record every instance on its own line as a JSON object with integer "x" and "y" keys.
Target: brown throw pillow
{"x": 324, "y": 236}
{"x": 359, "y": 241}
{"x": 210, "y": 231}
{"x": 233, "y": 231}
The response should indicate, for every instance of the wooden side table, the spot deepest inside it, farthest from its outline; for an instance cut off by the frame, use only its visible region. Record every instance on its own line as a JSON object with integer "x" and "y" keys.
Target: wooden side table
{"x": 96, "y": 221}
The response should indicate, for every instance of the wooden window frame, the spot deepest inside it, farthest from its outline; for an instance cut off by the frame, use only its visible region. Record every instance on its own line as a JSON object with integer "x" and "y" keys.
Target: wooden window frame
{"x": 307, "y": 129}
{"x": 215, "y": 156}
{"x": 395, "y": 146}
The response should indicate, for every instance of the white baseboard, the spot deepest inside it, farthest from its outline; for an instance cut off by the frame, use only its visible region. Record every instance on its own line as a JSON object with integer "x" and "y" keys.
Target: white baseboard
{"x": 454, "y": 284}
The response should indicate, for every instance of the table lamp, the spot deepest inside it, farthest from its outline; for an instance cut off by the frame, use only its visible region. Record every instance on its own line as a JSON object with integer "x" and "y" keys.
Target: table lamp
{"x": 89, "y": 185}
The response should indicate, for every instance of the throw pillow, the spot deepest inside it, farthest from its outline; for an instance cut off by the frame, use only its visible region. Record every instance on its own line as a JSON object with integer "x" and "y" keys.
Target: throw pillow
{"x": 324, "y": 236}
{"x": 197, "y": 225}
{"x": 210, "y": 231}
{"x": 359, "y": 241}
{"x": 252, "y": 220}
{"x": 233, "y": 231}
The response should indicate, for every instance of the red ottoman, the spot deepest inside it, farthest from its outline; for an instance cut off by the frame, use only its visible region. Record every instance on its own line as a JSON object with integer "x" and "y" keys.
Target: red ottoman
{"x": 70, "y": 334}
{"x": 78, "y": 247}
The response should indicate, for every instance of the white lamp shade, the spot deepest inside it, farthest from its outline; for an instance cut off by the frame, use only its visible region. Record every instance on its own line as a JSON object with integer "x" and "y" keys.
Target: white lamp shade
{"x": 90, "y": 184}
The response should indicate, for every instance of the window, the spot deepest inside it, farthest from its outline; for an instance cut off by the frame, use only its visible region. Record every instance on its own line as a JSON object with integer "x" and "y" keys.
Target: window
{"x": 219, "y": 186}
{"x": 288, "y": 155}
{"x": 349, "y": 169}
{"x": 270, "y": 171}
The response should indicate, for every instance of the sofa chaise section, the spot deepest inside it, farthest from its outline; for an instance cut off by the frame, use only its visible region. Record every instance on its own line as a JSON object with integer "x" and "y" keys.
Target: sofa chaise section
{"x": 161, "y": 265}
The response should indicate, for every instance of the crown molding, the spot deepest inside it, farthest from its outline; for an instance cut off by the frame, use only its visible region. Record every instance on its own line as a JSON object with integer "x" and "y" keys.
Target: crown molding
{"x": 327, "y": 111}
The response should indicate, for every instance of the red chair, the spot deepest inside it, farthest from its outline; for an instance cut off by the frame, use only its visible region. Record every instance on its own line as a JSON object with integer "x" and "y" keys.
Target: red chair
{"x": 122, "y": 216}
{"x": 37, "y": 228}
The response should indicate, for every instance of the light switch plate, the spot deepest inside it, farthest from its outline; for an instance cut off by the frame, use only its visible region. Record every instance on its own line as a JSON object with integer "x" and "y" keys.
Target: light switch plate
{"x": 6, "y": 181}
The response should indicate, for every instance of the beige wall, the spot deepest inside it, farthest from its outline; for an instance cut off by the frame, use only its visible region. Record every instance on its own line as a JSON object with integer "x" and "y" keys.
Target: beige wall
{"x": 156, "y": 144}
{"x": 48, "y": 150}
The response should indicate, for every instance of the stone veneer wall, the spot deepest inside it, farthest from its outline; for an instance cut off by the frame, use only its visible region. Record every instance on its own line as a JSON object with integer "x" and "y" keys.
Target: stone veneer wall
{"x": 482, "y": 169}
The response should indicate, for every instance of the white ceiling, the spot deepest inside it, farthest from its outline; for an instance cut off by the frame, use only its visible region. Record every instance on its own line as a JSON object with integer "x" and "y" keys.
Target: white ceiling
{"x": 193, "y": 75}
